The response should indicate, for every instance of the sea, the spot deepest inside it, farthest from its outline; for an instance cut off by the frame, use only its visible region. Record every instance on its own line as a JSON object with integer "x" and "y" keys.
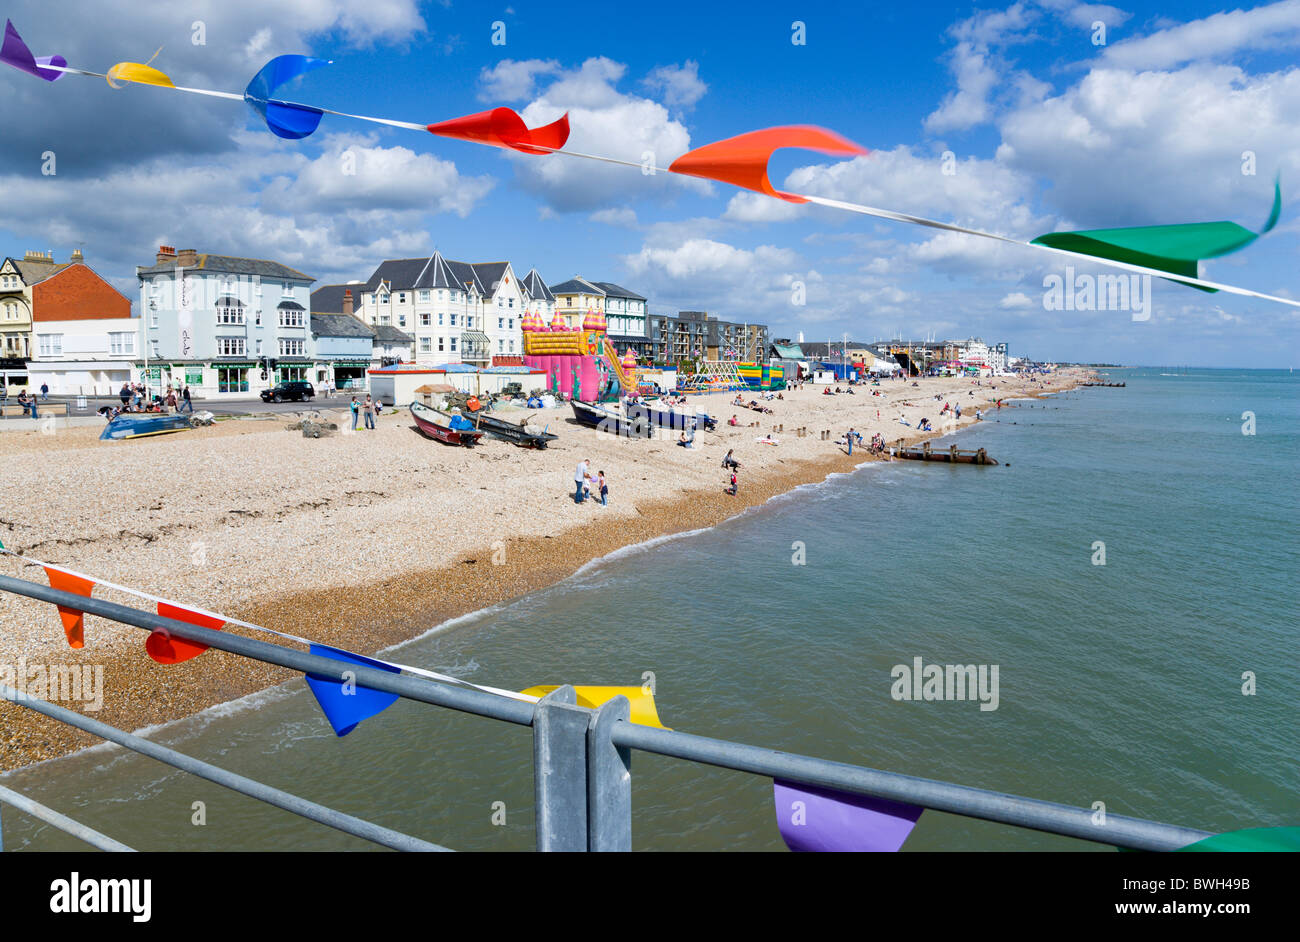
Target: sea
{"x": 1130, "y": 569}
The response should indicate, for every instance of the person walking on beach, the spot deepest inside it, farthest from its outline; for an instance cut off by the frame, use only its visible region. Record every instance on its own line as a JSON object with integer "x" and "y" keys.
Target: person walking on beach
{"x": 186, "y": 404}
{"x": 355, "y": 410}
{"x": 368, "y": 409}
{"x": 377, "y": 408}
{"x": 45, "y": 392}
{"x": 735, "y": 485}
{"x": 581, "y": 475}
{"x": 125, "y": 394}
{"x": 603, "y": 488}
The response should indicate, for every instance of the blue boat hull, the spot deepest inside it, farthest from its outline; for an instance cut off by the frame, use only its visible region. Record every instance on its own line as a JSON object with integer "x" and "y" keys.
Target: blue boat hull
{"x": 135, "y": 426}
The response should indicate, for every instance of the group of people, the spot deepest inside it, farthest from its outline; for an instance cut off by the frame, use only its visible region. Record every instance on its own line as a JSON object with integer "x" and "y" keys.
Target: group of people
{"x": 27, "y": 402}
{"x": 584, "y": 482}
{"x": 370, "y": 408}
{"x": 732, "y": 466}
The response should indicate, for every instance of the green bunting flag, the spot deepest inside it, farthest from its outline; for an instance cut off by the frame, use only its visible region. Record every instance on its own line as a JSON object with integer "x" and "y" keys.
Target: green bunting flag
{"x": 1176, "y": 249}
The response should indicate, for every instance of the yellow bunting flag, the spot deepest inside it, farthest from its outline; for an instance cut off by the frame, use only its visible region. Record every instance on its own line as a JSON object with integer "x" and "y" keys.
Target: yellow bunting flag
{"x": 643, "y": 710}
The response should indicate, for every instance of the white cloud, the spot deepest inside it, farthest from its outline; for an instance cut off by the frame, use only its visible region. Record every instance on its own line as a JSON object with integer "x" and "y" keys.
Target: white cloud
{"x": 514, "y": 80}
{"x": 1015, "y": 301}
{"x": 679, "y": 86}
{"x": 623, "y": 217}
{"x": 1274, "y": 26}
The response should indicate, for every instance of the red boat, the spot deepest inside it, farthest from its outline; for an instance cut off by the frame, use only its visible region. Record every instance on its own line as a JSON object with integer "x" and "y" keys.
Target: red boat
{"x": 437, "y": 425}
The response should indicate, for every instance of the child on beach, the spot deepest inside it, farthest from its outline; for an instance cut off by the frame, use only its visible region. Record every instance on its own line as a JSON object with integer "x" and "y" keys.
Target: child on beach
{"x": 604, "y": 488}
{"x": 735, "y": 486}
{"x": 356, "y": 410}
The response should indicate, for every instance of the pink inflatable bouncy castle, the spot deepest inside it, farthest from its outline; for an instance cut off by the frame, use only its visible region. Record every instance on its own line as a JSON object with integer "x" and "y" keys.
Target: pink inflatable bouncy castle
{"x": 567, "y": 355}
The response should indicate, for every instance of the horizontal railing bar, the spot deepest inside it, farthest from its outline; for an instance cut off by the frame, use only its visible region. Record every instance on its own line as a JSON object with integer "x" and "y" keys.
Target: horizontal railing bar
{"x": 61, "y": 821}
{"x": 1031, "y": 813}
{"x": 411, "y": 688}
{"x": 347, "y": 823}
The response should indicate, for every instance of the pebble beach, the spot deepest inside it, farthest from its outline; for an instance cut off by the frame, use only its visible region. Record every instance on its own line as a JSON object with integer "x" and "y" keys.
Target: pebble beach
{"x": 366, "y": 539}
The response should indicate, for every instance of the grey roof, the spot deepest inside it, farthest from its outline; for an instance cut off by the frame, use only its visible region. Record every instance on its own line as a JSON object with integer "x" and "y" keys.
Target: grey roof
{"x": 229, "y": 264}
{"x": 617, "y": 291}
{"x": 407, "y": 274}
{"x": 289, "y": 306}
{"x": 577, "y": 286}
{"x": 535, "y": 288}
{"x": 329, "y": 298}
{"x": 35, "y": 270}
{"x": 386, "y": 334}
{"x": 340, "y": 325}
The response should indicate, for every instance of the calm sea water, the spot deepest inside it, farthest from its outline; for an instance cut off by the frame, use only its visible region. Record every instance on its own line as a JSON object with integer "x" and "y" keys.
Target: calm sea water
{"x": 1119, "y": 683}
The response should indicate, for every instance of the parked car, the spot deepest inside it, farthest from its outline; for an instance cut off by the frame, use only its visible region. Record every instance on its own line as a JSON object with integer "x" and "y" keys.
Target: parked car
{"x": 296, "y": 390}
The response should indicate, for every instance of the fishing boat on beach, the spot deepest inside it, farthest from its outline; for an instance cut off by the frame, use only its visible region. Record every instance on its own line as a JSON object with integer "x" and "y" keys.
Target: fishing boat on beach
{"x": 437, "y": 425}
{"x": 138, "y": 425}
{"x": 639, "y": 419}
{"x": 515, "y": 432}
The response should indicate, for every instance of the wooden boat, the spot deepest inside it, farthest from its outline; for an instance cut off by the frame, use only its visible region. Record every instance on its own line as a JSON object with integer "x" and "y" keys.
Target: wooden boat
{"x": 665, "y": 416}
{"x": 514, "y": 432}
{"x": 437, "y": 425}
{"x": 611, "y": 421}
{"x": 140, "y": 424}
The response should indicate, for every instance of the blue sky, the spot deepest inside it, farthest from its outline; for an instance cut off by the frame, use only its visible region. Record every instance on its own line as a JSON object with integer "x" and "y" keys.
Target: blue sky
{"x": 1047, "y": 130}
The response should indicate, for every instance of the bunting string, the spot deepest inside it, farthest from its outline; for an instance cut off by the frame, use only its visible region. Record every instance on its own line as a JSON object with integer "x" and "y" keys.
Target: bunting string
{"x": 1172, "y": 252}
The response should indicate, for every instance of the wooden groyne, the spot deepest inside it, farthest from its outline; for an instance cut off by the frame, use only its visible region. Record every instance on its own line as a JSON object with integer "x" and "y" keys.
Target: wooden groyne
{"x": 1114, "y": 385}
{"x": 953, "y": 455}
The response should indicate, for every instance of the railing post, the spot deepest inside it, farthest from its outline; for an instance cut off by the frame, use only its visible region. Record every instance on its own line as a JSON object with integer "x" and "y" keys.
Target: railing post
{"x": 560, "y": 771}
{"x": 609, "y": 780}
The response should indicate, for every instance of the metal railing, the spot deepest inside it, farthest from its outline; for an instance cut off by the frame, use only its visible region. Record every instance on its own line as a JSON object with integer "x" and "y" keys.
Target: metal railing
{"x": 582, "y": 769}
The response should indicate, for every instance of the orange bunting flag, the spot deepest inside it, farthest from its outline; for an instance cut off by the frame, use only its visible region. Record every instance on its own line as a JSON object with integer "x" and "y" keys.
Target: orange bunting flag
{"x": 742, "y": 160}
{"x": 502, "y": 127}
{"x": 74, "y": 620}
{"x": 165, "y": 649}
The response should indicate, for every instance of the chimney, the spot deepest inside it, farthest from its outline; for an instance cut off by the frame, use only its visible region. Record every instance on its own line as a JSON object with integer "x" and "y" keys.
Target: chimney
{"x": 347, "y": 301}
{"x": 77, "y": 257}
{"x": 187, "y": 258}
{"x": 166, "y": 253}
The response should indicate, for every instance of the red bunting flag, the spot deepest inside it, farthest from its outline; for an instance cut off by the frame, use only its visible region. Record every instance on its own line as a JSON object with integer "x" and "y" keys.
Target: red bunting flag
{"x": 74, "y": 620}
{"x": 742, "y": 160}
{"x": 165, "y": 649}
{"x": 502, "y": 127}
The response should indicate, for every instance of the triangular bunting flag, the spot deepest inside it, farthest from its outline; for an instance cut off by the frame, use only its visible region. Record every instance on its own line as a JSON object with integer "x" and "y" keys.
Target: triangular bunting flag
{"x": 74, "y": 620}
{"x": 1249, "y": 839}
{"x": 165, "y": 649}
{"x": 742, "y": 160}
{"x": 347, "y": 704}
{"x": 823, "y": 819}
{"x": 503, "y": 127}
{"x": 642, "y": 704}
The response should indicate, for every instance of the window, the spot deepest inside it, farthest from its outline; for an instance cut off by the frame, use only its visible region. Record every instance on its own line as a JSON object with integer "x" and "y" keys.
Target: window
{"x": 426, "y": 344}
{"x": 453, "y": 320}
{"x": 289, "y": 318}
{"x": 424, "y": 295}
{"x": 510, "y": 323}
{"x": 401, "y": 297}
{"x": 292, "y": 348}
{"x": 512, "y": 346}
{"x": 469, "y": 320}
{"x": 439, "y": 320}
{"x": 401, "y": 320}
{"x": 153, "y": 317}
{"x": 286, "y": 290}
{"x": 121, "y": 343}
{"x": 50, "y": 345}
{"x": 229, "y": 314}
{"x": 440, "y": 345}
{"x": 226, "y": 347}
{"x": 257, "y": 318}
{"x": 453, "y": 344}
{"x": 501, "y": 323}
{"x": 382, "y": 298}
{"x": 259, "y": 348}
{"x": 510, "y": 302}
{"x": 230, "y": 379}
{"x": 425, "y": 320}
{"x": 501, "y": 346}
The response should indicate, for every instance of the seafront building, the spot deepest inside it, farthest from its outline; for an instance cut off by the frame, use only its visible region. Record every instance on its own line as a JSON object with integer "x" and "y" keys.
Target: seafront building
{"x": 458, "y": 312}
{"x": 575, "y": 299}
{"x": 697, "y": 335}
{"x": 215, "y": 323}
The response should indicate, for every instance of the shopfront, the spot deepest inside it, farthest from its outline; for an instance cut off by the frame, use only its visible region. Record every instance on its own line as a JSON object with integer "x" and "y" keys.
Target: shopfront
{"x": 233, "y": 377}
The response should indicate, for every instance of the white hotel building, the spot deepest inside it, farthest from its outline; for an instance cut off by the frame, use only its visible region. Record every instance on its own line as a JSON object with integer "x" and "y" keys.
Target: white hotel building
{"x": 458, "y": 312}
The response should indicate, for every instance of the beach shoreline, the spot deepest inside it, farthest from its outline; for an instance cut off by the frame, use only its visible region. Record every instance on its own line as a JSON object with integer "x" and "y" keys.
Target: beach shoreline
{"x": 379, "y": 567}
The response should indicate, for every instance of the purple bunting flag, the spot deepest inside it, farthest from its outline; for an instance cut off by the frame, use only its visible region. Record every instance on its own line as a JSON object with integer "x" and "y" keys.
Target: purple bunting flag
{"x": 823, "y": 819}
{"x": 14, "y": 52}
